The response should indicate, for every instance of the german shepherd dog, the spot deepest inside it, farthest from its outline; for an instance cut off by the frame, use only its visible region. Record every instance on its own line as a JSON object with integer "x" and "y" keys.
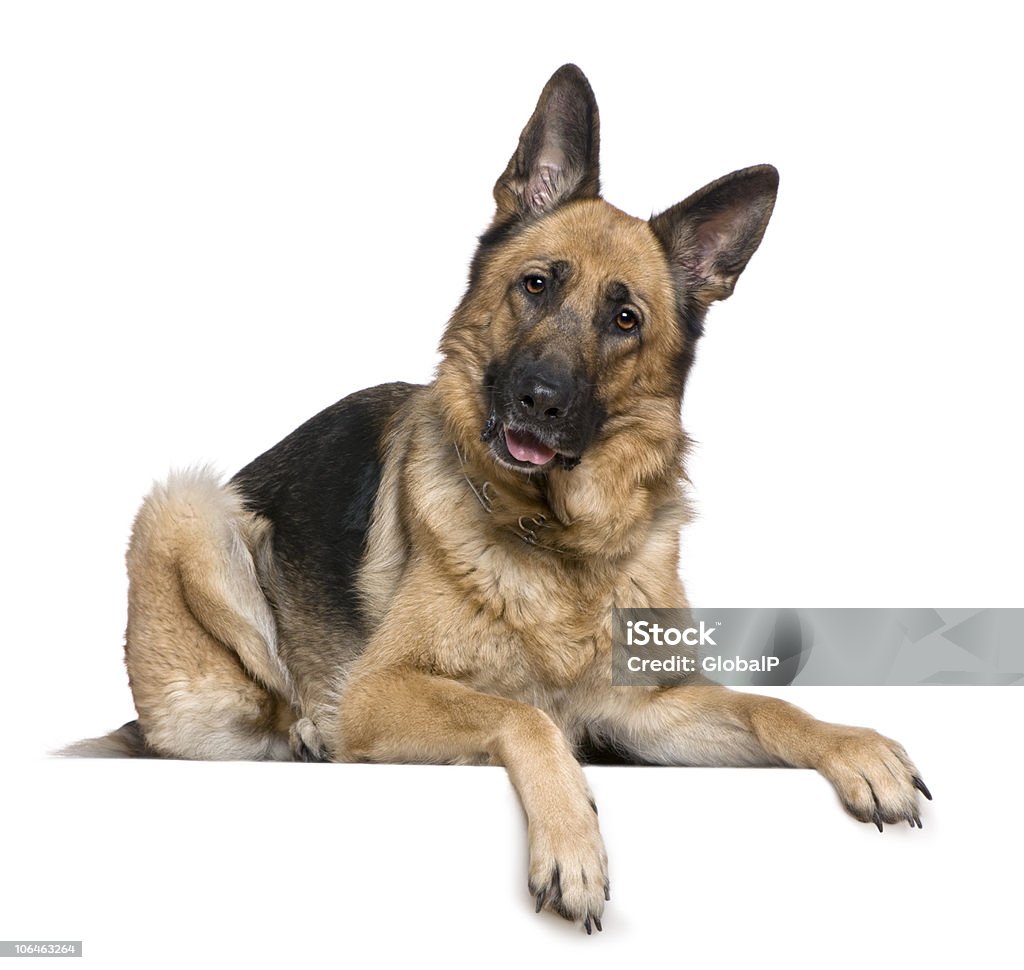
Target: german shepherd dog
{"x": 427, "y": 573}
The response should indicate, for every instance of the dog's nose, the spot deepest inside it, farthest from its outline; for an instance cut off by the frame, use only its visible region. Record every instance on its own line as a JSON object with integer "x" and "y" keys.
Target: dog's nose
{"x": 543, "y": 398}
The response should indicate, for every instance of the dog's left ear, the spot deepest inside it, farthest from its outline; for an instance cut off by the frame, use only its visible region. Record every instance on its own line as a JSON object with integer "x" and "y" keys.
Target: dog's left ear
{"x": 710, "y": 236}
{"x": 557, "y": 155}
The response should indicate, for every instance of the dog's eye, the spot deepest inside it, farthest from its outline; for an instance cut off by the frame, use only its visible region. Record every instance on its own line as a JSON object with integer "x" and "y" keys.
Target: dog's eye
{"x": 535, "y": 284}
{"x": 627, "y": 319}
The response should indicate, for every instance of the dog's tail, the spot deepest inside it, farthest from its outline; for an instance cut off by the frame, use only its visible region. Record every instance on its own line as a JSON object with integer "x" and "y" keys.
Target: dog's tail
{"x": 126, "y": 742}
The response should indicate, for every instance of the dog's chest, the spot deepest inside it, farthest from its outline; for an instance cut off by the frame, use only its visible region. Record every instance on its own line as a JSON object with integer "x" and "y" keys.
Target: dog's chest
{"x": 537, "y": 627}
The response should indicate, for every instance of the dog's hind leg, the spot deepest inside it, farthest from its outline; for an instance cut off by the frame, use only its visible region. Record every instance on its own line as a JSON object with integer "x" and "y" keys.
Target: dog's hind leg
{"x": 201, "y": 647}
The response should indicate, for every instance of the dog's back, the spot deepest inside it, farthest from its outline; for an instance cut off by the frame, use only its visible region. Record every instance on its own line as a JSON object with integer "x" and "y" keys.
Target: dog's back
{"x": 244, "y": 599}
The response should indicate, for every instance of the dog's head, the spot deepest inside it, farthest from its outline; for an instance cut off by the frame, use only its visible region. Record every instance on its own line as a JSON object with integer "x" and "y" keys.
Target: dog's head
{"x": 580, "y": 319}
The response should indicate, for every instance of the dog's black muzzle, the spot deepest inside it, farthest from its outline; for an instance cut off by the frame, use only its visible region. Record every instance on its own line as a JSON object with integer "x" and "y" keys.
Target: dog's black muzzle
{"x": 542, "y": 412}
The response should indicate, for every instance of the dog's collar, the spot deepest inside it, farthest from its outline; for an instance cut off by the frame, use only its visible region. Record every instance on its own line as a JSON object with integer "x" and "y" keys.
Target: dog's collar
{"x": 526, "y": 527}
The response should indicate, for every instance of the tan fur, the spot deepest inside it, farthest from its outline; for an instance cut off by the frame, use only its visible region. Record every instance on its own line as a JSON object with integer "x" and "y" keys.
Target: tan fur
{"x": 201, "y": 646}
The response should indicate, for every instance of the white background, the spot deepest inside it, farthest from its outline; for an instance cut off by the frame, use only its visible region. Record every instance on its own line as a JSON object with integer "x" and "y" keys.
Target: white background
{"x": 215, "y": 219}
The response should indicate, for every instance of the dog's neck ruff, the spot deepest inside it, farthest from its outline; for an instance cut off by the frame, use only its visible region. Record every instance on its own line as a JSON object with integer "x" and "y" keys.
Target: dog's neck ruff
{"x": 526, "y": 527}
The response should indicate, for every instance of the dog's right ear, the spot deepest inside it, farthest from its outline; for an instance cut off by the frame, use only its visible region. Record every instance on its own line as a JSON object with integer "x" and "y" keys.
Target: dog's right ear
{"x": 710, "y": 237}
{"x": 557, "y": 155}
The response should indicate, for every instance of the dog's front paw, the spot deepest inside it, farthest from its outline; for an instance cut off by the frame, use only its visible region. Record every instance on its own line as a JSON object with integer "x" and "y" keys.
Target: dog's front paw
{"x": 874, "y": 777}
{"x": 569, "y": 867}
{"x": 305, "y": 741}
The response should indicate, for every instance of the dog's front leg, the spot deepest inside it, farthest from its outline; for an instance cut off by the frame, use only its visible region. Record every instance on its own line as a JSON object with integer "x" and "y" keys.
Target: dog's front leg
{"x": 403, "y": 715}
{"x": 707, "y": 724}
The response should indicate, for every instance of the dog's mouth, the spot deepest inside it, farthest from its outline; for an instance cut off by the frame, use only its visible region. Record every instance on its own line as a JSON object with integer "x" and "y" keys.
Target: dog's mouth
{"x": 527, "y": 448}
{"x": 522, "y": 449}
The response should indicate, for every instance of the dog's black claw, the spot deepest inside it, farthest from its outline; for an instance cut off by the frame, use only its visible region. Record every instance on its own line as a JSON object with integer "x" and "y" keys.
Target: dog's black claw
{"x": 922, "y": 788}
{"x": 308, "y": 755}
{"x": 607, "y": 892}
{"x": 597, "y": 923}
{"x": 540, "y": 901}
{"x": 877, "y": 819}
{"x": 586, "y": 925}
{"x": 917, "y": 818}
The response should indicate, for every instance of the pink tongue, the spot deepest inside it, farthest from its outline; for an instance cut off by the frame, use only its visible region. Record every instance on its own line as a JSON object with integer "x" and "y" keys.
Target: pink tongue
{"x": 524, "y": 447}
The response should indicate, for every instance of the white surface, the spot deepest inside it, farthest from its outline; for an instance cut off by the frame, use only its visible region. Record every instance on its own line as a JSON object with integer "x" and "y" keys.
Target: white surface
{"x": 161, "y": 864}
{"x": 217, "y": 218}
